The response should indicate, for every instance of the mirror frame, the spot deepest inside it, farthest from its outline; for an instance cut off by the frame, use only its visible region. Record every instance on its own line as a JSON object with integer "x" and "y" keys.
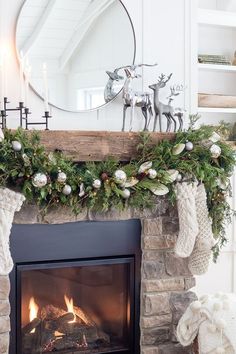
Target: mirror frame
{"x": 77, "y": 111}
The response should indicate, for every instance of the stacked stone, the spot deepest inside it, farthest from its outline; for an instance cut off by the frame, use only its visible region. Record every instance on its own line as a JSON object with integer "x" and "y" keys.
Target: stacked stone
{"x": 165, "y": 284}
{"x": 4, "y": 314}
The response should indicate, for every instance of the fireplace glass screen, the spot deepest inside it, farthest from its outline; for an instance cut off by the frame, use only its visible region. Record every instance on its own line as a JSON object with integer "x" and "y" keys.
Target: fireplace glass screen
{"x": 75, "y": 307}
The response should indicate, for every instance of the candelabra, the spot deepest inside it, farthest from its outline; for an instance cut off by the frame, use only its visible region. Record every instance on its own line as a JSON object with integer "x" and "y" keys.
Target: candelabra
{"x": 24, "y": 114}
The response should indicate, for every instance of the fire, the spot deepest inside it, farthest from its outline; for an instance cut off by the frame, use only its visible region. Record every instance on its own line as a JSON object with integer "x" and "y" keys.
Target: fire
{"x": 33, "y": 311}
{"x": 70, "y": 307}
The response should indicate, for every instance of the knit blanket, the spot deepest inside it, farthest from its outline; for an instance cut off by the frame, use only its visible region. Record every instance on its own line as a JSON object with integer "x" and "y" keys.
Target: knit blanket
{"x": 213, "y": 319}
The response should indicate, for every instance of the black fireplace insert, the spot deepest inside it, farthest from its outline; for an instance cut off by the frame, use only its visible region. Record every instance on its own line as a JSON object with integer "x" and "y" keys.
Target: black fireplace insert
{"x": 76, "y": 288}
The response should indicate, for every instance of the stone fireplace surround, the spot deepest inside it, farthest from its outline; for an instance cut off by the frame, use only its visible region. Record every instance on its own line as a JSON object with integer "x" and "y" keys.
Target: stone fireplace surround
{"x": 165, "y": 279}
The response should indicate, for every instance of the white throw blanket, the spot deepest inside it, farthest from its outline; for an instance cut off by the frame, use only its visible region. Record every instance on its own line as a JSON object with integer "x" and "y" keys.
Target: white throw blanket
{"x": 10, "y": 202}
{"x": 213, "y": 319}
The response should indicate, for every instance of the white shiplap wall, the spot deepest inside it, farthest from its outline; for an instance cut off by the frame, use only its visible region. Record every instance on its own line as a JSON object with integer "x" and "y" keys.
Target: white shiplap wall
{"x": 165, "y": 34}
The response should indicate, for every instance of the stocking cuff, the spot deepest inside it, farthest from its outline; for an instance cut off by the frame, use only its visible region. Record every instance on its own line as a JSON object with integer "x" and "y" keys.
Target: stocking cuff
{"x": 10, "y": 200}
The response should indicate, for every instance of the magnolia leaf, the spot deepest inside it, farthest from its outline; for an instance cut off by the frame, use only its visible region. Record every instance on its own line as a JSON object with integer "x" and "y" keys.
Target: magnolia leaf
{"x": 131, "y": 182}
{"x": 145, "y": 166}
{"x": 172, "y": 175}
{"x": 177, "y": 149}
{"x": 160, "y": 190}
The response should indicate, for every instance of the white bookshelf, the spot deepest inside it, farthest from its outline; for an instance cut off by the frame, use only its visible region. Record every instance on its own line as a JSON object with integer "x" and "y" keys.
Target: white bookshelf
{"x": 216, "y": 28}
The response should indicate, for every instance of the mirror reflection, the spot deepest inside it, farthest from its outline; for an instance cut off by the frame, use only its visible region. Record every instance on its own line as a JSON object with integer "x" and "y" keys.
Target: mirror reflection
{"x": 71, "y": 50}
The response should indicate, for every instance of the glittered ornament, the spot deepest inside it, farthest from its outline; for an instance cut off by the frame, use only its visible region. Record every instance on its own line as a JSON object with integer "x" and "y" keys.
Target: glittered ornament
{"x": 125, "y": 193}
{"x": 120, "y": 177}
{"x": 39, "y": 180}
{"x": 189, "y": 146}
{"x": 145, "y": 167}
{"x": 215, "y": 151}
{"x": 152, "y": 174}
{"x": 61, "y": 177}
{"x": 97, "y": 184}
{"x": 16, "y": 145}
{"x": 67, "y": 189}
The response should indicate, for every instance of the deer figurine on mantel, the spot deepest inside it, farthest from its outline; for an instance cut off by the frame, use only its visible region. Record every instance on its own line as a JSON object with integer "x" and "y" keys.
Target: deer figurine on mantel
{"x": 161, "y": 108}
{"x": 109, "y": 92}
{"x": 132, "y": 98}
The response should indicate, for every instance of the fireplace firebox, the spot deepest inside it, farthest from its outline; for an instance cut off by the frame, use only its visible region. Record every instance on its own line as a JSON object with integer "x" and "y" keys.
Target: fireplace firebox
{"x": 75, "y": 288}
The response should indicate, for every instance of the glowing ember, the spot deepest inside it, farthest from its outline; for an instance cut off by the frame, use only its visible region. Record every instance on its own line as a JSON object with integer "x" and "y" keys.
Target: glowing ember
{"x": 33, "y": 311}
{"x": 70, "y": 307}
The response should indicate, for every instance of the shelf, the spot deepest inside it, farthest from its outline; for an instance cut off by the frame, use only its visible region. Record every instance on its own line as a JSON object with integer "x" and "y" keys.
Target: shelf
{"x": 216, "y": 110}
{"x": 217, "y": 67}
{"x": 216, "y": 18}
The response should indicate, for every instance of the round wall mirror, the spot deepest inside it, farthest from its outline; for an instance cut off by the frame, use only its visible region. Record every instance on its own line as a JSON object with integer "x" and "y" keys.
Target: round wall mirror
{"x": 72, "y": 50}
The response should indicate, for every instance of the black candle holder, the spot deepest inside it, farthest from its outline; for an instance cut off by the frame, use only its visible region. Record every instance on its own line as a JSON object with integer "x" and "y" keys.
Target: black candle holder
{"x": 24, "y": 113}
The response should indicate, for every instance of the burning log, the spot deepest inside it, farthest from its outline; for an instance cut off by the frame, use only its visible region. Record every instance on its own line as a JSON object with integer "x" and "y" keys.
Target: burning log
{"x": 55, "y": 324}
{"x": 51, "y": 312}
{"x": 31, "y": 326}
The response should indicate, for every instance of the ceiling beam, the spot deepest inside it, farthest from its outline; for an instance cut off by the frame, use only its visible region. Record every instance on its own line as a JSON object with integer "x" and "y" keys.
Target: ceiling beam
{"x": 95, "y": 9}
{"x": 30, "y": 41}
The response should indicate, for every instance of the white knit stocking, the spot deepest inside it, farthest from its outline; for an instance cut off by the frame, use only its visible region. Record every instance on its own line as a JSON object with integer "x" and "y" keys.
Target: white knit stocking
{"x": 9, "y": 203}
{"x": 188, "y": 226}
{"x": 200, "y": 258}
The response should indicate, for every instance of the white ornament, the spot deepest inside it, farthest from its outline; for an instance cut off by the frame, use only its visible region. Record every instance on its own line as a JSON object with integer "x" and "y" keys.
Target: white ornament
{"x": 125, "y": 193}
{"x": 39, "y": 180}
{"x": 61, "y": 177}
{"x": 221, "y": 324}
{"x": 16, "y": 145}
{"x": 97, "y": 184}
{"x": 145, "y": 167}
{"x": 215, "y": 151}
{"x": 152, "y": 174}
{"x": 172, "y": 175}
{"x": 189, "y": 146}
{"x": 1, "y": 135}
{"x": 120, "y": 177}
{"x": 179, "y": 178}
{"x": 67, "y": 190}
{"x": 160, "y": 190}
{"x": 81, "y": 190}
{"x": 177, "y": 149}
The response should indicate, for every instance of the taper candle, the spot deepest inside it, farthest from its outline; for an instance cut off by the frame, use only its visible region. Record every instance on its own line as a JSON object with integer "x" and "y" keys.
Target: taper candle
{"x": 21, "y": 77}
{"x": 45, "y": 87}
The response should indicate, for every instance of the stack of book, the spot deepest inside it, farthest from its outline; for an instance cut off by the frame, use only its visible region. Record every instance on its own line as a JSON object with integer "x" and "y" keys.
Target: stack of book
{"x": 213, "y": 59}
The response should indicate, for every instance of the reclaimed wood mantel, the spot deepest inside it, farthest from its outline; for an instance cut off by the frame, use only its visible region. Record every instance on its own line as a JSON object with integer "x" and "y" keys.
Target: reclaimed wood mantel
{"x": 97, "y": 146}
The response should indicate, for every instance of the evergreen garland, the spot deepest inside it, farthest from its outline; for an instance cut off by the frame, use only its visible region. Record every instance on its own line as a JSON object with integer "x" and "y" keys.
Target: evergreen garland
{"x": 18, "y": 168}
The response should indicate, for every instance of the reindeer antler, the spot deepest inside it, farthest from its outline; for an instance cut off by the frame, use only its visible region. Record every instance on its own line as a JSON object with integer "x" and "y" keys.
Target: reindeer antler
{"x": 162, "y": 77}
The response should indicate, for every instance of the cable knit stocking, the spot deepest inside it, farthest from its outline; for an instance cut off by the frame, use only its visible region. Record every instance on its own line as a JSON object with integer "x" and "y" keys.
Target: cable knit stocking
{"x": 9, "y": 203}
{"x": 200, "y": 258}
{"x": 188, "y": 225}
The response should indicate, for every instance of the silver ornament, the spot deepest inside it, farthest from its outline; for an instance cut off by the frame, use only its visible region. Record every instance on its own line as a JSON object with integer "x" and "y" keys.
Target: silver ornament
{"x": 189, "y": 146}
{"x": 61, "y": 177}
{"x": 145, "y": 167}
{"x": 215, "y": 151}
{"x": 97, "y": 184}
{"x": 67, "y": 189}
{"x": 125, "y": 193}
{"x": 179, "y": 178}
{"x": 120, "y": 177}
{"x": 39, "y": 180}
{"x": 152, "y": 174}
{"x": 16, "y": 145}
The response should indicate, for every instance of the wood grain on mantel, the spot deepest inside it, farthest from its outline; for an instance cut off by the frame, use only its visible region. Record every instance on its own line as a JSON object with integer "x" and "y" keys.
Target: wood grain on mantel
{"x": 97, "y": 146}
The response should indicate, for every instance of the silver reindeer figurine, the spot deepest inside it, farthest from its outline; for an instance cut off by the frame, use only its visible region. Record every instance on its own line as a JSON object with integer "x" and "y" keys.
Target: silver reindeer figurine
{"x": 132, "y": 98}
{"x": 159, "y": 107}
{"x": 109, "y": 92}
{"x": 178, "y": 112}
